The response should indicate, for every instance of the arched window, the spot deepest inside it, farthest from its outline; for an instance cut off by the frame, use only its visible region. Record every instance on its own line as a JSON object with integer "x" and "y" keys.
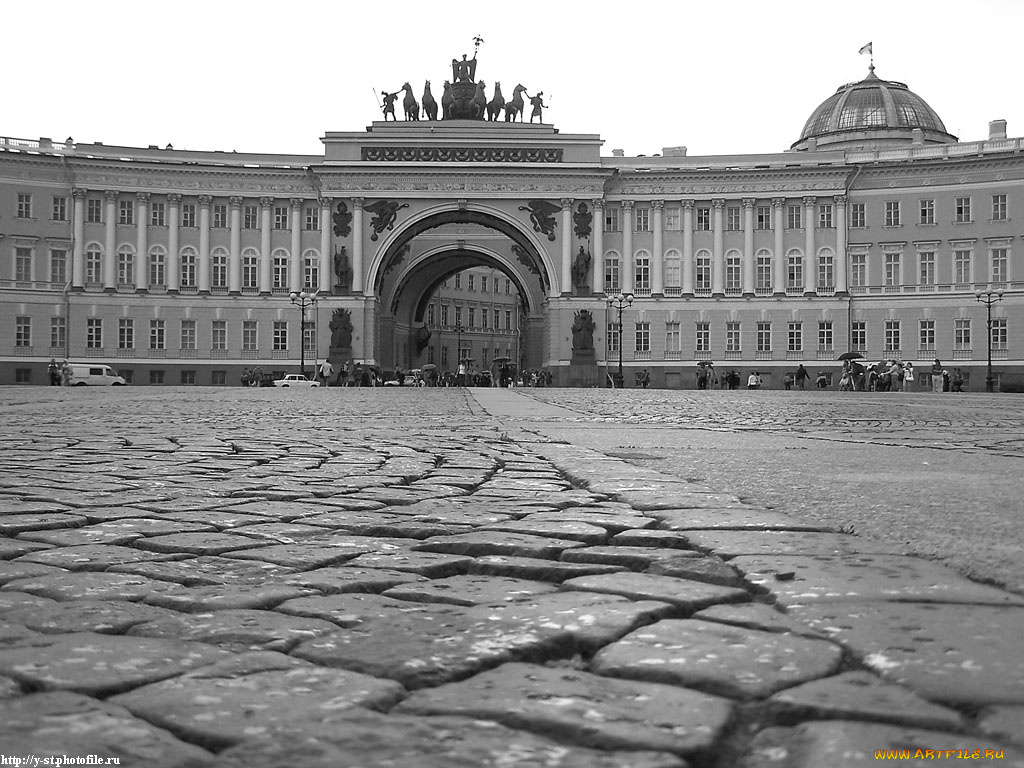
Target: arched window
{"x": 642, "y": 273}
{"x": 702, "y": 276}
{"x": 763, "y": 273}
{"x": 279, "y": 266}
{"x": 157, "y": 267}
{"x": 611, "y": 273}
{"x": 250, "y": 269}
{"x": 189, "y": 258}
{"x": 219, "y": 268}
{"x": 673, "y": 273}
{"x": 126, "y": 266}
{"x": 826, "y": 270}
{"x": 733, "y": 273}
{"x": 794, "y": 271}
{"x": 310, "y": 270}
{"x": 94, "y": 264}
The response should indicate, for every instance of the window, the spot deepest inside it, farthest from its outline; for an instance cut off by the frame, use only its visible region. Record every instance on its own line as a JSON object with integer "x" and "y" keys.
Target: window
{"x": 22, "y": 331}
{"x": 311, "y": 272}
{"x": 892, "y": 269}
{"x": 733, "y": 272}
{"x": 251, "y": 217}
{"x": 483, "y": 318}
{"x": 126, "y": 212}
{"x": 702, "y": 275}
{"x": 926, "y": 268}
{"x": 892, "y": 336}
{"x": 795, "y": 337}
{"x": 188, "y": 378}
{"x": 508, "y": 287}
{"x": 93, "y": 211}
{"x": 858, "y": 216}
{"x": 613, "y": 337}
{"x": 313, "y": 218}
{"x": 999, "y": 336}
{"x": 643, "y": 337}
{"x": 961, "y": 333}
{"x": 763, "y": 272}
{"x": 858, "y": 270}
{"x": 764, "y": 217}
{"x": 794, "y": 271}
{"x": 611, "y": 218}
{"x": 703, "y": 219}
{"x": 24, "y": 210}
{"x": 892, "y": 213}
{"x": 58, "y": 333}
{"x": 249, "y": 337}
{"x": 794, "y": 217}
{"x": 156, "y": 378}
{"x": 60, "y": 208}
{"x": 732, "y": 336}
{"x": 444, "y": 315}
{"x": 825, "y": 339}
{"x": 826, "y": 269}
{"x": 961, "y": 266}
{"x": 125, "y": 333}
{"x": 309, "y": 338}
{"x": 471, "y": 317}
{"x": 250, "y": 269}
{"x": 471, "y": 282}
{"x": 220, "y": 216}
{"x": 458, "y": 315}
{"x": 732, "y": 218}
{"x": 859, "y": 335}
{"x": 764, "y": 337}
{"x": 673, "y": 273}
{"x": 157, "y": 215}
{"x": 280, "y": 335}
{"x": 642, "y": 219}
{"x": 188, "y": 334}
{"x": 998, "y": 262}
{"x": 702, "y": 337}
{"x": 998, "y": 208}
{"x": 188, "y": 215}
{"x": 963, "y": 210}
{"x": 23, "y": 264}
{"x": 672, "y": 221}
{"x": 926, "y": 335}
{"x": 93, "y": 265}
{"x": 483, "y": 283}
{"x": 508, "y": 319}
{"x": 280, "y": 270}
{"x": 94, "y": 333}
{"x": 673, "y": 340}
{"x": 611, "y": 274}
{"x": 927, "y": 212}
{"x": 219, "y": 334}
{"x": 280, "y": 217}
{"x": 496, "y": 314}
{"x": 188, "y": 267}
{"x": 825, "y": 216}
{"x": 219, "y": 268}
{"x": 157, "y": 267}
{"x": 458, "y": 281}
{"x": 642, "y": 273}
{"x": 125, "y": 266}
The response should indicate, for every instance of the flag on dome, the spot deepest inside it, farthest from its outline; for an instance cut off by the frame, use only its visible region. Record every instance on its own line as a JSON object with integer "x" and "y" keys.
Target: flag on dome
{"x": 866, "y": 49}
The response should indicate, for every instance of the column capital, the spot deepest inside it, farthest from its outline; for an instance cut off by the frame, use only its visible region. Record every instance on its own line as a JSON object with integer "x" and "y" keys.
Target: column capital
{"x": 749, "y": 202}
{"x": 718, "y": 203}
{"x": 142, "y": 197}
{"x": 79, "y": 193}
{"x": 627, "y": 205}
{"x": 778, "y": 202}
{"x": 266, "y": 202}
{"x": 357, "y": 203}
{"x": 174, "y": 198}
{"x": 566, "y": 203}
{"x": 598, "y": 203}
{"x": 687, "y": 205}
{"x": 205, "y": 201}
{"x": 658, "y": 205}
{"x": 296, "y": 203}
{"x": 235, "y": 201}
{"x": 111, "y": 195}
{"x": 810, "y": 200}
{"x": 325, "y": 202}
{"x": 841, "y": 200}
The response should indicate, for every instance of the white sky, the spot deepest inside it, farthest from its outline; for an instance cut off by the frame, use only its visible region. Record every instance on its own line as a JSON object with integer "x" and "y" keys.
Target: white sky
{"x": 720, "y": 78}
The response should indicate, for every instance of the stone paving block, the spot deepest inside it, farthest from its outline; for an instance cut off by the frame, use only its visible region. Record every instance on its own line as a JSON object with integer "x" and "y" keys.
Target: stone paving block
{"x": 337, "y": 580}
{"x": 12, "y": 548}
{"x": 757, "y": 616}
{"x": 206, "y": 570}
{"x": 635, "y": 558}
{"x": 14, "y": 524}
{"x": 109, "y": 617}
{"x": 710, "y": 569}
{"x": 743, "y": 517}
{"x": 359, "y": 610}
{"x": 471, "y": 590}
{"x": 302, "y": 555}
{"x": 613, "y": 522}
{"x": 93, "y": 557}
{"x": 154, "y": 526}
{"x": 862, "y": 696}
{"x": 1004, "y": 722}
{"x": 650, "y": 537}
{"x": 18, "y": 506}
{"x": 199, "y": 543}
{"x": 9, "y": 688}
{"x": 100, "y": 665}
{"x": 716, "y": 658}
{"x": 949, "y": 653}
{"x": 88, "y": 585}
{"x": 235, "y": 630}
{"x": 220, "y": 518}
{"x": 399, "y": 495}
{"x": 90, "y": 534}
{"x": 537, "y": 569}
{"x": 479, "y": 543}
{"x": 282, "y": 533}
{"x": 732, "y": 543}
{"x": 409, "y": 528}
{"x": 256, "y": 695}
{"x": 684, "y": 593}
{"x": 372, "y": 740}
{"x": 222, "y": 597}
{"x": 9, "y": 571}
{"x": 793, "y": 579}
{"x": 573, "y": 530}
{"x": 434, "y": 565}
{"x": 840, "y": 744}
{"x": 670, "y": 496}
{"x": 282, "y": 511}
{"x": 59, "y": 723}
{"x": 12, "y": 600}
{"x": 100, "y": 515}
{"x": 576, "y": 707}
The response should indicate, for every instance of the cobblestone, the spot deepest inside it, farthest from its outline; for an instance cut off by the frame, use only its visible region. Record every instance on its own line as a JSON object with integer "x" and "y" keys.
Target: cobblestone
{"x": 429, "y": 578}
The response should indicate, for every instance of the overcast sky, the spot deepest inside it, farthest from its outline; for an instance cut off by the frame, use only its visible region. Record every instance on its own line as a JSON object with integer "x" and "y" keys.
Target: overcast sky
{"x": 720, "y": 78}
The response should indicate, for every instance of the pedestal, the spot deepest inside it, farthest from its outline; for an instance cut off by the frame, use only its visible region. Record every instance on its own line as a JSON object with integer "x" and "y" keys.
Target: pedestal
{"x": 583, "y": 368}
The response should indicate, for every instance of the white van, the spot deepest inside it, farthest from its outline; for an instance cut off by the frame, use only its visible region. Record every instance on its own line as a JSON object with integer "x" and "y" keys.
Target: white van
{"x": 91, "y": 374}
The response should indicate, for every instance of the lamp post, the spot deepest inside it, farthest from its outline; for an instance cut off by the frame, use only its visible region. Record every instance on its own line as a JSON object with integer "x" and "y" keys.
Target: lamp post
{"x": 620, "y": 301}
{"x": 988, "y": 298}
{"x": 303, "y": 301}
{"x": 460, "y": 369}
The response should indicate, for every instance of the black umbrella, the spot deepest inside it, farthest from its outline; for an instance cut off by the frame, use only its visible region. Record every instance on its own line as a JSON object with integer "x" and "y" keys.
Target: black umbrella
{"x": 851, "y": 356}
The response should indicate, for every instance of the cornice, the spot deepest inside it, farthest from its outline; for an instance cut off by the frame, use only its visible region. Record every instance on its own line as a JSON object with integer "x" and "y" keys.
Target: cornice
{"x": 938, "y": 173}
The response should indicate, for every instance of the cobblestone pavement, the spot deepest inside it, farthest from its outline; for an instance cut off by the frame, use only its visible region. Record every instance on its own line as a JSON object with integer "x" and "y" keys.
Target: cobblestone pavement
{"x": 472, "y": 578}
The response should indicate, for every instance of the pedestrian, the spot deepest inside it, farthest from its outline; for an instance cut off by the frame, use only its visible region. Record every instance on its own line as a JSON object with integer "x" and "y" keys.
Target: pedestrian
{"x": 645, "y": 378}
{"x": 53, "y": 370}
{"x": 946, "y": 380}
{"x": 801, "y": 376}
{"x": 326, "y": 371}
{"x": 908, "y": 376}
{"x": 937, "y": 375}
{"x": 822, "y": 381}
{"x": 958, "y": 381}
{"x": 754, "y": 380}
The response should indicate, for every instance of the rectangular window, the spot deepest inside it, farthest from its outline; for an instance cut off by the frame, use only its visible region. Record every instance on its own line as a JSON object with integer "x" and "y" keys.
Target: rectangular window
{"x": 642, "y": 219}
{"x": 858, "y": 270}
{"x": 892, "y": 336}
{"x": 157, "y": 334}
{"x": 188, "y": 334}
{"x": 998, "y": 261}
{"x": 794, "y": 217}
{"x": 612, "y": 335}
{"x": 892, "y": 213}
{"x": 157, "y": 214}
{"x": 280, "y": 217}
{"x": 795, "y": 337}
{"x": 280, "y": 335}
{"x": 858, "y": 216}
{"x": 94, "y": 333}
{"x": 825, "y": 339}
{"x": 702, "y": 337}
{"x": 250, "y": 341}
{"x": 458, "y": 281}
{"x": 156, "y": 378}
{"x": 732, "y": 336}
{"x": 157, "y": 269}
{"x": 483, "y": 283}
{"x": 251, "y": 217}
{"x": 508, "y": 319}
{"x": 22, "y": 331}
{"x": 963, "y": 210}
{"x": 999, "y": 336}
{"x": 125, "y": 333}
{"x": 496, "y": 316}
{"x": 998, "y": 207}
{"x": 220, "y": 216}
{"x": 126, "y": 212}
{"x": 961, "y": 333}
{"x": 611, "y": 218}
{"x": 58, "y": 333}
{"x": 859, "y": 335}
{"x": 672, "y": 221}
{"x": 24, "y": 206}
{"x": 458, "y": 315}
{"x": 926, "y": 335}
{"x": 825, "y": 216}
{"x": 732, "y": 218}
{"x": 444, "y": 315}
{"x": 188, "y": 378}
{"x": 643, "y": 337}
{"x": 926, "y": 268}
{"x": 961, "y": 267}
{"x": 188, "y": 215}
{"x": 484, "y": 318}
{"x": 892, "y": 269}
{"x": 23, "y": 264}
{"x": 309, "y": 338}
{"x": 219, "y": 334}
{"x": 471, "y": 317}
{"x": 927, "y": 212}
{"x": 703, "y": 219}
{"x": 471, "y": 282}
{"x": 93, "y": 211}
{"x": 313, "y": 218}
{"x": 764, "y": 217}
{"x": 764, "y": 337}
{"x": 60, "y": 208}
{"x": 673, "y": 339}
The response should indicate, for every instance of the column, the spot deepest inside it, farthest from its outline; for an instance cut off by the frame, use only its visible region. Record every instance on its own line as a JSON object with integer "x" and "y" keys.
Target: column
{"x": 810, "y": 257}
{"x": 78, "y": 247}
{"x": 626, "y": 271}
{"x": 110, "y": 245}
{"x": 296, "y": 267}
{"x": 658, "y": 267}
{"x": 235, "y": 255}
{"x": 326, "y": 260}
{"x": 566, "y": 278}
{"x": 688, "y": 267}
{"x": 357, "y": 246}
{"x": 840, "y": 262}
{"x": 142, "y": 243}
{"x": 204, "y": 243}
{"x": 779, "y": 263}
{"x": 748, "y": 246}
{"x": 173, "y": 221}
{"x": 718, "y": 257}
{"x": 597, "y": 264}
{"x": 266, "y": 260}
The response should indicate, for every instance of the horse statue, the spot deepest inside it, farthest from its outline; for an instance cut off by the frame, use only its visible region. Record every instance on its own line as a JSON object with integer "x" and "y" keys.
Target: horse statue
{"x": 429, "y": 105}
{"x": 412, "y": 108}
{"x": 516, "y": 106}
{"x": 447, "y": 101}
{"x": 478, "y": 105}
{"x": 496, "y": 104}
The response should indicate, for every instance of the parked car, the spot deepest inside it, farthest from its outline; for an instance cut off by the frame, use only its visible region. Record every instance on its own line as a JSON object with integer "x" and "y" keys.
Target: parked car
{"x": 91, "y": 375}
{"x": 296, "y": 380}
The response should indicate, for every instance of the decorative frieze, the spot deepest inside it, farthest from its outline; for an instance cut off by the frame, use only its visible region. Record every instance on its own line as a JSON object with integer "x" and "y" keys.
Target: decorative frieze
{"x": 461, "y": 155}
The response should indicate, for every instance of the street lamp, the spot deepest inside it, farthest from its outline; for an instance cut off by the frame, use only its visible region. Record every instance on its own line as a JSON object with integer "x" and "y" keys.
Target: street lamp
{"x": 303, "y": 301}
{"x": 988, "y": 298}
{"x": 620, "y": 301}
{"x": 460, "y": 368}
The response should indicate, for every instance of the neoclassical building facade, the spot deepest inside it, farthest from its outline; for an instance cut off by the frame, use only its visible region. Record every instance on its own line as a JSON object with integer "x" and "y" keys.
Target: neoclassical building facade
{"x": 872, "y": 233}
